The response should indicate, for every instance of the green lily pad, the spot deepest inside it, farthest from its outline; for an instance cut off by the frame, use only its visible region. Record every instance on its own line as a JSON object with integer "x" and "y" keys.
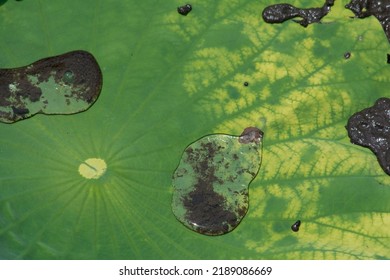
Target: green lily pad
{"x": 212, "y": 179}
{"x": 98, "y": 185}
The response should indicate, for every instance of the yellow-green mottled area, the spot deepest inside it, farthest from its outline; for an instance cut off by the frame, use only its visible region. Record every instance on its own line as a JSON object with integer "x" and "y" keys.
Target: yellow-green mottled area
{"x": 168, "y": 81}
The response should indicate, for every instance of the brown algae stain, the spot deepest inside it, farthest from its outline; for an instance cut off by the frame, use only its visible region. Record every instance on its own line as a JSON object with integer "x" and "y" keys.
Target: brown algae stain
{"x": 251, "y": 135}
{"x": 371, "y": 128}
{"x": 279, "y": 13}
{"x": 211, "y": 182}
{"x": 63, "y": 84}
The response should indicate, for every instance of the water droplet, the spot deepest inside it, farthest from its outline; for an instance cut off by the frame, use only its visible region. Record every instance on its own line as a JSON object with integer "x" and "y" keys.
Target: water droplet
{"x": 68, "y": 77}
{"x": 211, "y": 182}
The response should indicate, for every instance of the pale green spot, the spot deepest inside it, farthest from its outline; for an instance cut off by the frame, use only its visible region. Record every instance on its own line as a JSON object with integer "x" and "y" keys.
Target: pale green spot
{"x": 93, "y": 168}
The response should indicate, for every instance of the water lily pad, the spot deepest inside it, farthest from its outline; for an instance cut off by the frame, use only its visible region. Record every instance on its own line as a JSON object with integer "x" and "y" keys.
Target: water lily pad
{"x": 98, "y": 185}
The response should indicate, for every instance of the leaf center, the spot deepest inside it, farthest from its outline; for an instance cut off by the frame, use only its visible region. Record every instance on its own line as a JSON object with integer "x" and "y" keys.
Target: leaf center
{"x": 93, "y": 168}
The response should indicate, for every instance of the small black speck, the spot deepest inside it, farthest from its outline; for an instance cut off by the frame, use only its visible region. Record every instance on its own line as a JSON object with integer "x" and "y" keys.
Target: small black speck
{"x": 347, "y": 55}
{"x": 295, "y": 226}
{"x": 246, "y": 84}
{"x": 388, "y": 58}
{"x": 184, "y": 10}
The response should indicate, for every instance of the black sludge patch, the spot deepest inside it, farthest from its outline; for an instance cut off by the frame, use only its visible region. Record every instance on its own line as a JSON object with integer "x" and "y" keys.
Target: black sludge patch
{"x": 63, "y": 84}
{"x": 371, "y": 128}
{"x": 377, "y": 8}
{"x": 295, "y": 226}
{"x": 279, "y": 13}
{"x": 184, "y": 10}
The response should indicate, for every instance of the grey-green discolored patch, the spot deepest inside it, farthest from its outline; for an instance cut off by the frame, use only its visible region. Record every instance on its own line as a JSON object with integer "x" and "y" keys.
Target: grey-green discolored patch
{"x": 211, "y": 182}
{"x": 63, "y": 84}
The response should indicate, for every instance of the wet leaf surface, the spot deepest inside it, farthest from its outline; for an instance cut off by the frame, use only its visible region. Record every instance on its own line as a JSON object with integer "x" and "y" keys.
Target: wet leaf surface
{"x": 168, "y": 80}
{"x": 212, "y": 180}
{"x": 65, "y": 84}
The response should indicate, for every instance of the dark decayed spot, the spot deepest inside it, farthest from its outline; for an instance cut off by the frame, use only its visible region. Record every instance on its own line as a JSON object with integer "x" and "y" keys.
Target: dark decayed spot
{"x": 246, "y": 84}
{"x": 296, "y": 225}
{"x": 251, "y": 135}
{"x": 20, "y": 111}
{"x": 279, "y": 13}
{"x": 63, "y": 84}
{"x": 347, "y": 55}
{"x": 388, "y": 58}
{"x": 379, "y": 9}
{"x": 211, "y": 181}
{"x": 371, "y": 128}
{"x": 184, "y": 10}
{"x": 205, "y": 206}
